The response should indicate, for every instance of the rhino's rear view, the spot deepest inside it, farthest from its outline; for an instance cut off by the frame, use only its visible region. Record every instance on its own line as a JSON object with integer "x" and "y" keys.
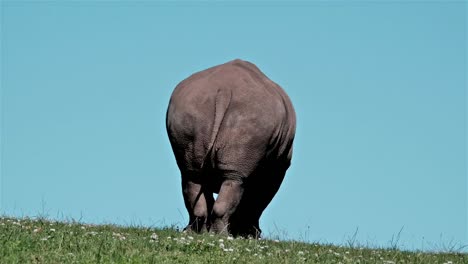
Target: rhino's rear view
{"x": 231, "y": 129}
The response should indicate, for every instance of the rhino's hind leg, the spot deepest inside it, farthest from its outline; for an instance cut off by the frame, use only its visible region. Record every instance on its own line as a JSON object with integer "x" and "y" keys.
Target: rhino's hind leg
{"x": 199, "y": 203}
{"x": 245, "y": 221}
{"x": 256, "y": 198}
{"x": 226, "y": 205}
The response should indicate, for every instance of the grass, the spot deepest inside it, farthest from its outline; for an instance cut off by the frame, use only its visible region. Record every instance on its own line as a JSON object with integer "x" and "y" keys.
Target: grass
{"x": 43, "y": 241}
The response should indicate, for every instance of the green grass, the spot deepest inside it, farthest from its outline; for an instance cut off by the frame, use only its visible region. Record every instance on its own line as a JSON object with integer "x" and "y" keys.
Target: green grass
{"x": 43, "y": 241}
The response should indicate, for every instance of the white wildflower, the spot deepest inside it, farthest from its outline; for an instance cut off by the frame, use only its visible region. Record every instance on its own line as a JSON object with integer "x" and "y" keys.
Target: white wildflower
{"x": 230, "y": 238}
{"x": 37, "y": 230}
{"x": 154, "y": 236}
{"x": 221, "y": 240}
{"x": 300, "y": 252}
{"x": 52, "y": 230}
{"x": 119, "y": 236}
{"x": 190, "y": 237}
{"x": 45, "y": 238}
{"x": 276, "y": 240}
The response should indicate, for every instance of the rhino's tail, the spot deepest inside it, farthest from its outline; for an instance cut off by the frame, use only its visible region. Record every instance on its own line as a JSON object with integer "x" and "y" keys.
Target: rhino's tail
{"x": 222, "y": 101}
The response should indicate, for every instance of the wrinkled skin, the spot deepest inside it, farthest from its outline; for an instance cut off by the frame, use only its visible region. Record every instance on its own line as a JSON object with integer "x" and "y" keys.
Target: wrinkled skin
{"x": 231, "y": 129}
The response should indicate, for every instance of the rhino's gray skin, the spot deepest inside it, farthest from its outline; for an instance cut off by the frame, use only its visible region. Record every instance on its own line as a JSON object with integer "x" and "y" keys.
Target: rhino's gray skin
{"x": 231, "y": 129}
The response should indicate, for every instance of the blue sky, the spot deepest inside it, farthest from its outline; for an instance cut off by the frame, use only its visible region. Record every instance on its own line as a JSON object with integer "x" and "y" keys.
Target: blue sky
{"x": 378, "y": 87}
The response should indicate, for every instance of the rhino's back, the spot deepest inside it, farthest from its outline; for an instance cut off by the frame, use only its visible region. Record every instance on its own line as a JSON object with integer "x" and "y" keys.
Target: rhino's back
{"x": 250, "y": 89}
{"x": 258, "y": 114}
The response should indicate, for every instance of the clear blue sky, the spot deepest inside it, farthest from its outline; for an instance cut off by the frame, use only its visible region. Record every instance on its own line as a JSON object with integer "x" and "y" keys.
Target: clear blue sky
{"x": 378, "y": 87}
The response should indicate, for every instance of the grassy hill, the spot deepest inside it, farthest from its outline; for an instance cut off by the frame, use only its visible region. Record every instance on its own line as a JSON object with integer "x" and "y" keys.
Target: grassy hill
{"x": 42, "y": 241}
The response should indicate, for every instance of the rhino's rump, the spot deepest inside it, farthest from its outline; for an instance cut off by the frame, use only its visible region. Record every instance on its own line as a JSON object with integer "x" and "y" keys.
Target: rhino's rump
{"x": 229, "y": 120}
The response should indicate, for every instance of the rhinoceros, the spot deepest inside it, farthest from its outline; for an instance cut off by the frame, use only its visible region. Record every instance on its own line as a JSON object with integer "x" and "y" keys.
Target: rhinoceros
{"x": 231, "y": 130}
